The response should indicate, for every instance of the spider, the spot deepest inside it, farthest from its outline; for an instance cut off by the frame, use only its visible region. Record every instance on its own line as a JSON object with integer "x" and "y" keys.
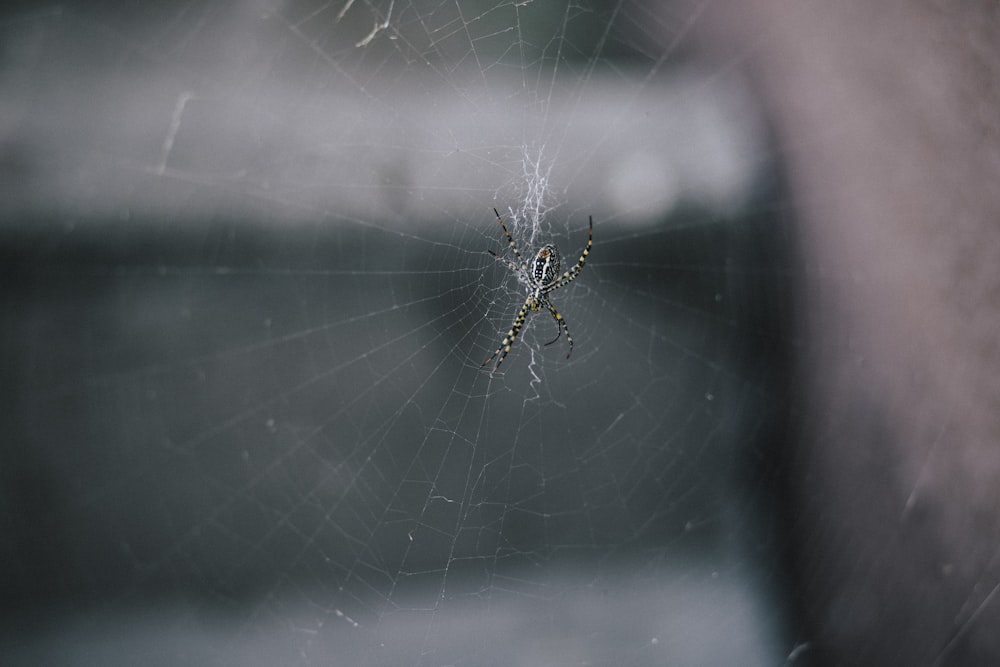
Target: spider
{"x": 542, "y": 277}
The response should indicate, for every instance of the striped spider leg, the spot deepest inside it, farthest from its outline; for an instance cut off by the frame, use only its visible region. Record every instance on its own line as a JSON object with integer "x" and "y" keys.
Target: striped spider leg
{"x": 541, "y": 277}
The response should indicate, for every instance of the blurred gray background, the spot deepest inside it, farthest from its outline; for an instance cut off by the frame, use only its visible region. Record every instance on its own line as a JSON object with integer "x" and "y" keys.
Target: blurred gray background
{"x": 247, "y": 296}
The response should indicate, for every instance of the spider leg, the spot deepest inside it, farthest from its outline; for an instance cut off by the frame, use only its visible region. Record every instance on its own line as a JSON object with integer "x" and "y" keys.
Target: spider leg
{"x": 515, "y": 329}
{"x": 571, "y": 275}
{"x": 510, "y": 239}
{"x": 557, "y": 317}
{"x": 558, "y": 336}
{"x": 510, "y": 265}
{"x": 561, "y": 322}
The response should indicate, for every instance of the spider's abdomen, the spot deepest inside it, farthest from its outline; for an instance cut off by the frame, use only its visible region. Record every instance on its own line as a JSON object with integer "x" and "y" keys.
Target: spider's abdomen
{"x": 545, "y": 266}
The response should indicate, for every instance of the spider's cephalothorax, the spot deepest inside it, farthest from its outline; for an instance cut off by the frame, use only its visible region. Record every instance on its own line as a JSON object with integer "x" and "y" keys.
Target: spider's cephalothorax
{"x": 541, "y": 278}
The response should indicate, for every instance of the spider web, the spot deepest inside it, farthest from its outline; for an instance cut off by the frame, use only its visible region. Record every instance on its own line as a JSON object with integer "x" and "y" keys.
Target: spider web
{"x": 252, "y": 299}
